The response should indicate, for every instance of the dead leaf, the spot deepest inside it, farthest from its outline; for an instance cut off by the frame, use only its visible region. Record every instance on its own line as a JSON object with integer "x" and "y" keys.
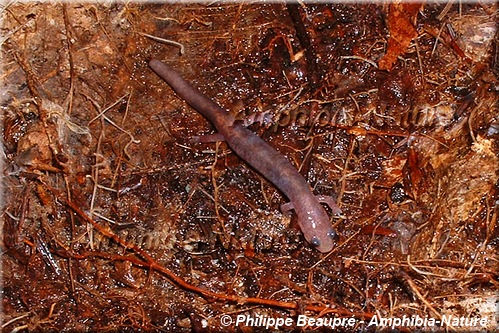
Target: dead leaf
{"x": 401, "y": 19}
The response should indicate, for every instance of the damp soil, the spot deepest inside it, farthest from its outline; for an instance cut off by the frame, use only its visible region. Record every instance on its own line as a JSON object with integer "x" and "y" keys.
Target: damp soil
{"x": 116, "y": 218}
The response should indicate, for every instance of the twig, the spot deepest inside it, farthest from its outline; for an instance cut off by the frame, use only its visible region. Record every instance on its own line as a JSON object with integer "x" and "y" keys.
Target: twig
{"x": 370, "y": 62}
{"x": 165, "y": 41}
{"x": 15, "y": 319}
{"x": 150, "y": 263}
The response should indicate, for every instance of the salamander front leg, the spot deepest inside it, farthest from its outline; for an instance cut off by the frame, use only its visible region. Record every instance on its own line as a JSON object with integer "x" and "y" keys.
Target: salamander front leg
{"x": 331, "y": 202}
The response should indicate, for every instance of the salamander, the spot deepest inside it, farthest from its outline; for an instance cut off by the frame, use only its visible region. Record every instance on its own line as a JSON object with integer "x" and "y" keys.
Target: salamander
{"x": 312, "y": 216}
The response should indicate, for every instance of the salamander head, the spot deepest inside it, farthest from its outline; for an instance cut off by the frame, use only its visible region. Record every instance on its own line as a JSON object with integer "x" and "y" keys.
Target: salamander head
{"x": 317, "y": 230}
{"x": 323, "y": 242}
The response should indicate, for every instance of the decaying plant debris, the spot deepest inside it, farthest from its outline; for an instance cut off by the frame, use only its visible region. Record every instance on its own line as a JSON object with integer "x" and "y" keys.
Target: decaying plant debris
{"x": 114, "y": 219}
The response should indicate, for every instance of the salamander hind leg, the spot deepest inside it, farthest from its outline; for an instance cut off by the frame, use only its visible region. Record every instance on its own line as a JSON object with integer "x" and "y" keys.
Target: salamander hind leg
{"x": 288, "y": 206}
{"x": 207, "y": 138}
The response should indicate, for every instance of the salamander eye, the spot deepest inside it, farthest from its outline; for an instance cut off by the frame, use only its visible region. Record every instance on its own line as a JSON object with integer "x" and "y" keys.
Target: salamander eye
{"x": 332, "y": 234}
{"x": 315, "y": 241}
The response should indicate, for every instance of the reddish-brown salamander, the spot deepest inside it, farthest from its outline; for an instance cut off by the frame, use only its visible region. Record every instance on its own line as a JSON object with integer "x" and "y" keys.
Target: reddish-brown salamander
{"x": 312, "y": 217}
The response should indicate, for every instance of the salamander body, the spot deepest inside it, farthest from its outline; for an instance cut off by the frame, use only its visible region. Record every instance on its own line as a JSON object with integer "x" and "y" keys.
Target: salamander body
{"x": 312, "y": 217}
